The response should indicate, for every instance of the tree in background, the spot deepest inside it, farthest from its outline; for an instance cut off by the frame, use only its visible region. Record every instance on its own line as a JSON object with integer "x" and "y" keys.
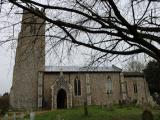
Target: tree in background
{"x": 134, "y": 66}
{"x": 152, "y": 75}
{"x": 108, "y": 27}
{"x": 4, "y": 103}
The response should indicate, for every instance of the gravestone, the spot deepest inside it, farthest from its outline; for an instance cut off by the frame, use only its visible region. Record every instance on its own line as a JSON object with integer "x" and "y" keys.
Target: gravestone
{"x": 147, "y": 115}
{"x": 22, "y": 116}
{"x": 5, "y": 117}
{"x": 14, "y": 116}
{"x": 32, "y": 116}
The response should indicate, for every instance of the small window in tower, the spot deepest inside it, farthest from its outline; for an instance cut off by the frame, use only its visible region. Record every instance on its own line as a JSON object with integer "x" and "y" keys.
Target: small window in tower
{"x": 33, "y": 25}
{"x": 109, "y": 85}
{"x": 135, "y": 87}
{"x": 77, "y": 87}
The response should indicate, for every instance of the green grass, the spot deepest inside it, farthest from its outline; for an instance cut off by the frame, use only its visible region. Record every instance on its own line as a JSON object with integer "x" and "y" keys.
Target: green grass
{"x": 96, "y": 113}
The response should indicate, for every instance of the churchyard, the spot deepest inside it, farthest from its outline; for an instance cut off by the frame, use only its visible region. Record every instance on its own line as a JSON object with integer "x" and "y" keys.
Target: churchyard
{"x": 94, "y": 113}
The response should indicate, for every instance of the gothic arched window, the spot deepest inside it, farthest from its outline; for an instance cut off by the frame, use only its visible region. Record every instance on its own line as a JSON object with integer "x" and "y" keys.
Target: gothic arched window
{"x": 109, "y": 85}
{"x": 135, "y": 87}
{"x": 77, "y": 87}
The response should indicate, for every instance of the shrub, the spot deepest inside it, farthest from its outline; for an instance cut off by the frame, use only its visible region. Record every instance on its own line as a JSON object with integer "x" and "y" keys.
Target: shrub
{"x": 147, "y": 115}
{"x": 4, "y": 104}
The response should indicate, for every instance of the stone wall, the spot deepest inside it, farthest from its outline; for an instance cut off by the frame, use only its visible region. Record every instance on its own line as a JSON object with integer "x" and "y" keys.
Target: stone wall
{"x": 93, "y": 87}
{"x": 96, "y": 93}
{"x": 142, "y": 90}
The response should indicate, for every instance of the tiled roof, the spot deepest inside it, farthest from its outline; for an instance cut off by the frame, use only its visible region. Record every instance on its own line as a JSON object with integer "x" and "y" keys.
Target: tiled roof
{"x": 81, "y": 69}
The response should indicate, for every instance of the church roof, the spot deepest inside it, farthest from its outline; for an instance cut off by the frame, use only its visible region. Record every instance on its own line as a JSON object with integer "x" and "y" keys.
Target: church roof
{"x": 81, "y": 69}
{"x": 133, "y": 74}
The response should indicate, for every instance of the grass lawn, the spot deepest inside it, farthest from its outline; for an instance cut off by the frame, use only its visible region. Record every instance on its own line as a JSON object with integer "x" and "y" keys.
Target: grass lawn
{"x": 96, "y": 113}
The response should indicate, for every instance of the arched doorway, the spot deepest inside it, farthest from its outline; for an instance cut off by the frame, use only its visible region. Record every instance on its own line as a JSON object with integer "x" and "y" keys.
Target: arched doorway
{"x": 61, "y": 99}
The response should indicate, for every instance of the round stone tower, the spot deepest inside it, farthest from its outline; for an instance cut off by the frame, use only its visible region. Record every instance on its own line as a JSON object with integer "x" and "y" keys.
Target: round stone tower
{"x": 30, "y": 58}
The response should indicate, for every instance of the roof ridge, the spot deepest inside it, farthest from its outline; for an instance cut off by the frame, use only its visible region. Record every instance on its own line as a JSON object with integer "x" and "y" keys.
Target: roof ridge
{"x": 82, "y": 69}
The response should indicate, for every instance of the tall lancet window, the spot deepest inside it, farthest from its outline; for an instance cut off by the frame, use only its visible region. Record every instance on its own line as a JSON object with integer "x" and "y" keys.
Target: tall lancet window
{"x": 77, "y": 87}
{"x": 135, "y": 87}
{"x": 109, "y": 85}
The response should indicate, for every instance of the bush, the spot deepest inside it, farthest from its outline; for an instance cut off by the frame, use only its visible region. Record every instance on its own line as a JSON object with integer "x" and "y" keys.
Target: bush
{"x": 4, "y": 104}
{"x": 127, "y": 102}
{"x": 147, "y": 115}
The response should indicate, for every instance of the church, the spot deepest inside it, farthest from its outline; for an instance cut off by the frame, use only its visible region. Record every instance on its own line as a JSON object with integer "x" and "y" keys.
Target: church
{"x": 36, "y": 86}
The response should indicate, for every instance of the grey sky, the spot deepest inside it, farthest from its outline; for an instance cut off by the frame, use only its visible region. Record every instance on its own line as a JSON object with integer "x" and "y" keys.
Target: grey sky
{"x": 6, "y": 69}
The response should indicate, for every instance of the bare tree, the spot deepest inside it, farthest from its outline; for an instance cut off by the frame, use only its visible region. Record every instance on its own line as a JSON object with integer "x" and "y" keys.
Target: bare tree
{"x": 134, "y": 66}
{"x": 109, "y": 27}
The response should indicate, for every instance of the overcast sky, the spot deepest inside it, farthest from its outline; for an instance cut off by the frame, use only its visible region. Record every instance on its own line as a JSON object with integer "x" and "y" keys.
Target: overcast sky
{"x": 6, "y": 69}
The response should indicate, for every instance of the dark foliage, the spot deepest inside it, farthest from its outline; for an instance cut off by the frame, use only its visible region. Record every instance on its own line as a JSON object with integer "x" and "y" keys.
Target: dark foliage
{"x": 152, "y": 75}
{"x": 4, "y": 103}
{"x": 147, "y": 115}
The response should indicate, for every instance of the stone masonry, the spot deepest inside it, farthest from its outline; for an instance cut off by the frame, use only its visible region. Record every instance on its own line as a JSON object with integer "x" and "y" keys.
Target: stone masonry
{"x": 30, "y": 58}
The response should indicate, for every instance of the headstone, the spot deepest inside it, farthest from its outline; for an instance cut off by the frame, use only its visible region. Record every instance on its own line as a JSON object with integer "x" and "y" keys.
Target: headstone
{"x": 14, "y": 116}
{"x": 22, "y": 116}
{"x": 85, "y": 108}
{"x": 32, "y": 116}
{"x": 147, "y": 115}
{"x": 59, "y": 117}
{"x": 6, "y": 117}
